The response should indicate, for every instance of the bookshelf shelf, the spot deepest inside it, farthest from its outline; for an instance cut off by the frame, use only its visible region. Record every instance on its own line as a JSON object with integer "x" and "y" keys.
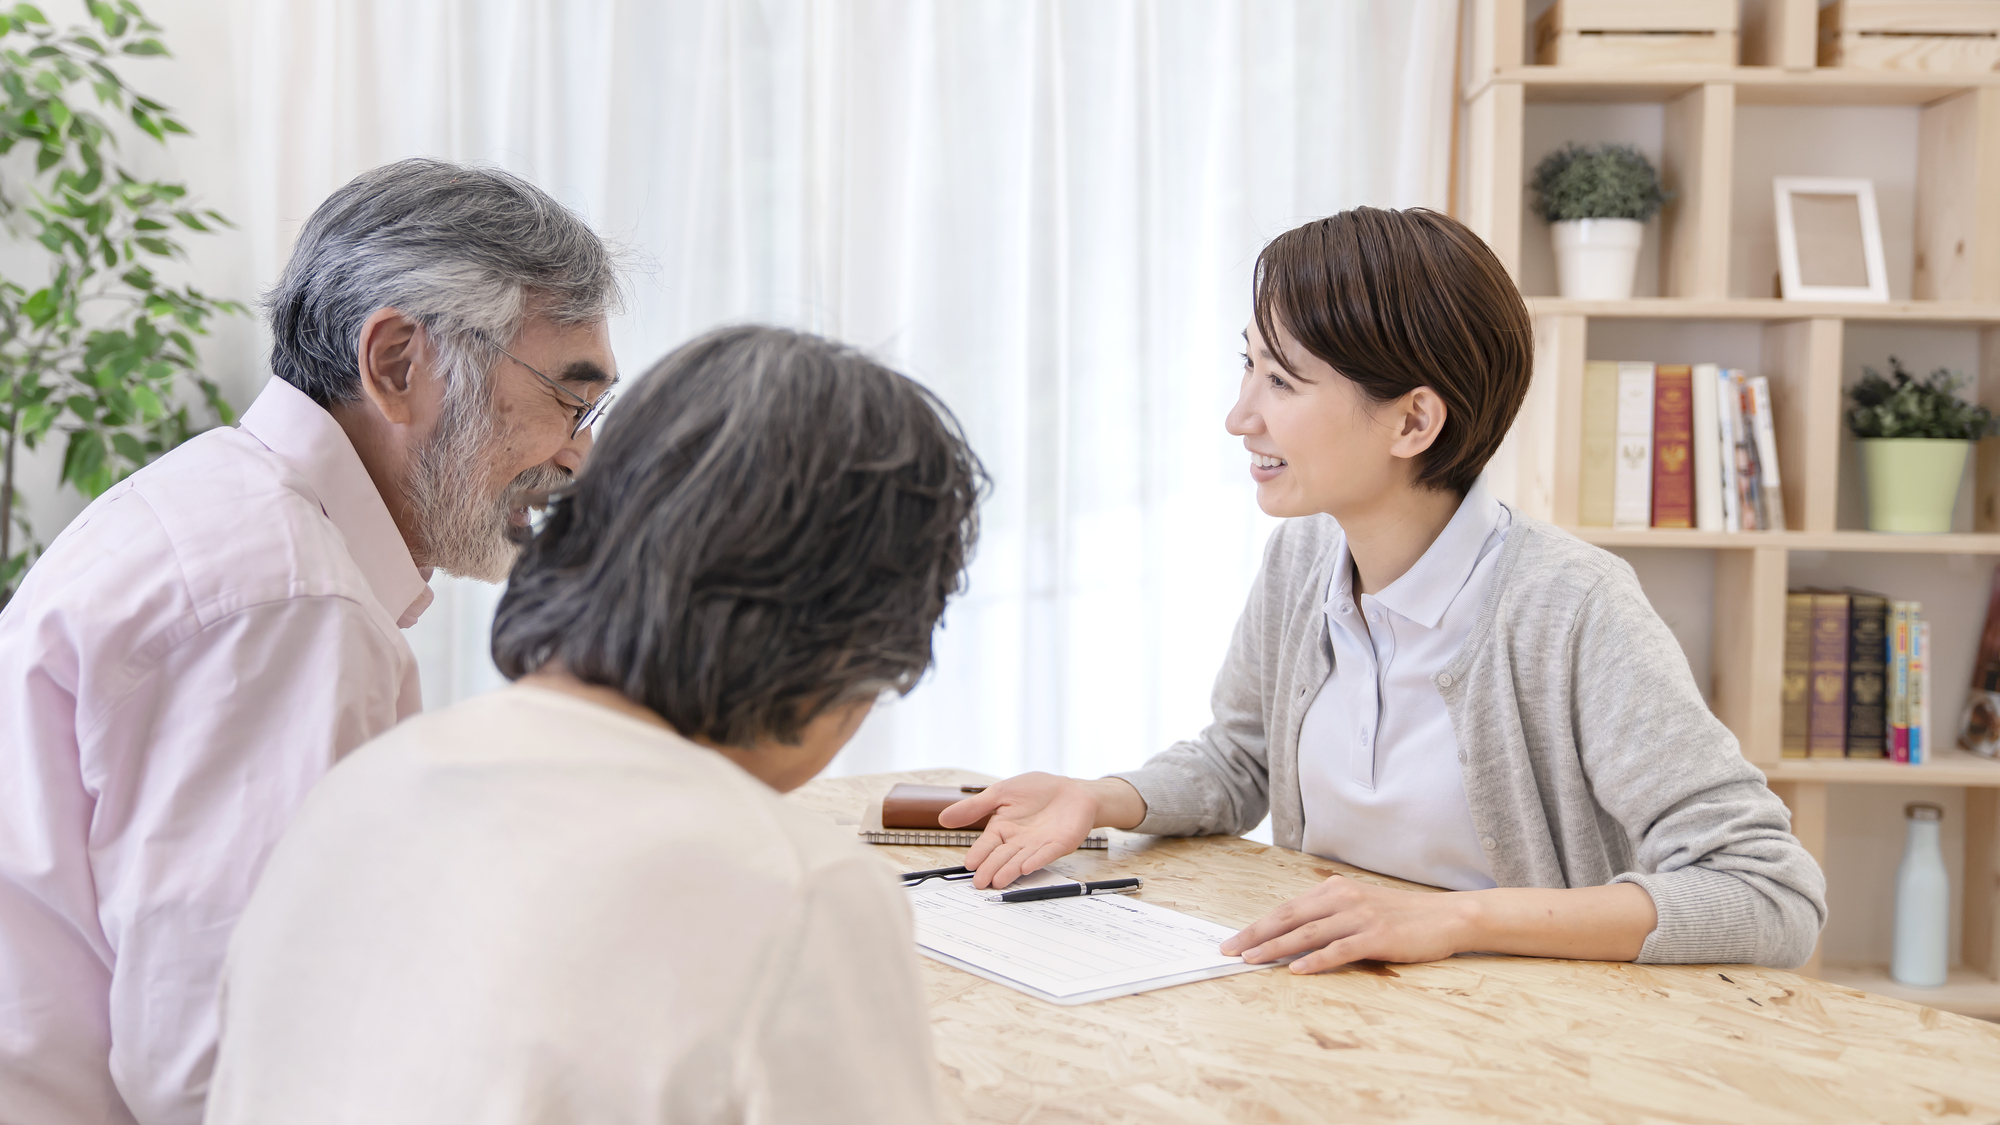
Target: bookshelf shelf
{"x": 1950, "y": 767}
{"x": 1968, "y": 313}
{"x": 1870, "y": 542}
{"x": 1755, "y": 85}
{"x": 1801, "y": 347}
{"x": 1966, "y": 992}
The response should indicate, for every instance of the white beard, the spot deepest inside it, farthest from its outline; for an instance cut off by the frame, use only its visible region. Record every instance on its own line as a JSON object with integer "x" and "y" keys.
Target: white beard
{"x": 464, "y": 531}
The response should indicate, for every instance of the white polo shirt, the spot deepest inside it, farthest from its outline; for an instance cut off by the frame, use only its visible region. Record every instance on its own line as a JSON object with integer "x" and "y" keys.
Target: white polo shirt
{"x": 1378, "y": 760}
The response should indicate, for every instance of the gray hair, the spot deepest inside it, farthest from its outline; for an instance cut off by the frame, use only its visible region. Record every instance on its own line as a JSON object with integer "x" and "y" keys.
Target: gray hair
{"x": 770, "y": 529}
{"x": 467, "y": 252}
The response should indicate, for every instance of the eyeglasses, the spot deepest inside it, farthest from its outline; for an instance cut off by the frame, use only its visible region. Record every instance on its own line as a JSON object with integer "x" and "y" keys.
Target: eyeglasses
{"x": 587, "y": 412}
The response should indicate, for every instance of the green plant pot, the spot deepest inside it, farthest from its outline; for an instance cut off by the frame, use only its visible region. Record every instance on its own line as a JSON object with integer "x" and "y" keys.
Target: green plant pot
{"x": 1912, "y": 482}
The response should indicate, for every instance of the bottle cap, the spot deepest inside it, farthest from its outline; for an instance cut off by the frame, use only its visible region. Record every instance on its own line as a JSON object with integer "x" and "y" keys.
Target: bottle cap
{"x": 1923, "y": 810}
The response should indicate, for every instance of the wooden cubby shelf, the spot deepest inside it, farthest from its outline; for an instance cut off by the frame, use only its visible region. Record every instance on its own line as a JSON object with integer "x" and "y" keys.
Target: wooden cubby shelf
{"x": 1950, "y": 289}
{"x": 1944, "y": 313}
{"x": 1755, "y": 85}
{"x": 1948, "y": 767}
{"x": 1857, "y": 541}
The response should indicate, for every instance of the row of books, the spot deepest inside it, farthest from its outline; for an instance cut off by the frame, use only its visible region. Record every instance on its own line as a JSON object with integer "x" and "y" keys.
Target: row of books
{"x": 1857, "y": 677}
{"x": 1679, "y": 445}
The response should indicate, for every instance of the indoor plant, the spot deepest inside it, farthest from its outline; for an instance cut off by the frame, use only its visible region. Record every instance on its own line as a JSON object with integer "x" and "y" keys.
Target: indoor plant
{"x": 99, "y": 348}
{"x": 1597, "y": 199}
{"x": 1914, "y": 435}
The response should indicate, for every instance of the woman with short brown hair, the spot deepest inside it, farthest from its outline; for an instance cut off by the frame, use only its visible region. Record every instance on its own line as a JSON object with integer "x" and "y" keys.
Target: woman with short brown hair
{"x": 1428, "y": 684}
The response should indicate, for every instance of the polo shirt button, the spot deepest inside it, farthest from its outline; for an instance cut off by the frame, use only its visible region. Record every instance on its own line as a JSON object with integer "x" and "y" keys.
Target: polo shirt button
{"x": 1444, "y": 679}
{"x": 1488, "y": 843}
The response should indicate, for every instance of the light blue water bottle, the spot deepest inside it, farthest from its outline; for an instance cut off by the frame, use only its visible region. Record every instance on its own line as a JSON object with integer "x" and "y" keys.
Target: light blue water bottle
{"x": 1923, "y": 901}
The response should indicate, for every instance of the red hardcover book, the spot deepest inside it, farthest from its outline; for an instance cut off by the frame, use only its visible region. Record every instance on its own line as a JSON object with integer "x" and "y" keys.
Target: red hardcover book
{"x": 1673, "y": 445}
{"x": 1979, "y": 729}
{"x": 1826, "y": 721}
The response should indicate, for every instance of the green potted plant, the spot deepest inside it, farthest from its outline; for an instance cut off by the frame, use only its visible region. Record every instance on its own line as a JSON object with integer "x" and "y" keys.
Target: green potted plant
{"x": 1915, "y": 435}
{"x": 96, "y": 348}
{"x": 1597, "y": 199}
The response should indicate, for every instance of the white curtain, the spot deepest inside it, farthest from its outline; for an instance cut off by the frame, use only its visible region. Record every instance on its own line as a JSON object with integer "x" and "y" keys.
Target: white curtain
{"x": 1045, "y": 210}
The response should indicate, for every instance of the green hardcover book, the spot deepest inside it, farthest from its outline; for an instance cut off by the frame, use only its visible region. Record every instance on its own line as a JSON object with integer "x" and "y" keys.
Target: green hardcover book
{"x": 1798, "y": 672}
{"x": 1867, "y": 676}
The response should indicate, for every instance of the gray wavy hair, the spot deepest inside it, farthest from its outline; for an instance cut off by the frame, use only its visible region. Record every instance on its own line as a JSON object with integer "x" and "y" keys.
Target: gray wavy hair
{"x": 464, "y": 251}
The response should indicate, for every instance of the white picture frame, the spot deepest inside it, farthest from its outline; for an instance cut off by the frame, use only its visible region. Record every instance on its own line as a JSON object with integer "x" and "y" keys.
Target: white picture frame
{"x": 1829, "y": 240}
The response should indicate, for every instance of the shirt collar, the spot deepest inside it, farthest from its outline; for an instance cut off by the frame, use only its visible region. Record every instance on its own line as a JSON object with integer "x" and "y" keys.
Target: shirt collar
{"x": 1426, "y": 590}
{"x": 305, "y": 437}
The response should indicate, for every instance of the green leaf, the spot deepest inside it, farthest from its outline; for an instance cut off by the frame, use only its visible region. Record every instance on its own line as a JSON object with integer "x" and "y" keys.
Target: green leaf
{"x": 145, "y": 121}
{"x": 150, "y": 408}
{"x": 150, "y": 224}
{"x": 146, "y": 47}
{"x": 40, "y": 308}
{"x": 158, "y": 246}
{"x": 37, "y": 419}
{"x": 129, "y": 448}
{"x": 83, "y": 407}
{"x": 6, "y": 23}
{"x": 188, "y": 220}
{"x": 46, "y": 159}
{"x": 92, "y": 44}
{"x": 173, "y": 126}
{"x": 138, "y": 277}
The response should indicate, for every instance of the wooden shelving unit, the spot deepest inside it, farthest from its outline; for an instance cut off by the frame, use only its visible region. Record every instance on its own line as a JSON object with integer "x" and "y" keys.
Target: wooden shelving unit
{"x": 1956, "y": 284}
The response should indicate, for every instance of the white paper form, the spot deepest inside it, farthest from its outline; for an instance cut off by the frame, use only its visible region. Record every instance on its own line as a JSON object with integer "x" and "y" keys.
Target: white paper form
{"x": 1069, "y": 950}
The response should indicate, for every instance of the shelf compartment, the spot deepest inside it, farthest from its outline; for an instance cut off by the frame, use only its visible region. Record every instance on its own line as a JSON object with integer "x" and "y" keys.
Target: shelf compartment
{"x": 1974, "y": 313}
{"x": 1949, "y": 767}
{"x": 1872, "y": 542}
{"x": 1966, "y": 992}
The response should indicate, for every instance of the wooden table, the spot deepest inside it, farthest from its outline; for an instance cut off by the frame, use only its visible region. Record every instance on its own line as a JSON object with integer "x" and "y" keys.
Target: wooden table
{"x": 1470, "y": 1038}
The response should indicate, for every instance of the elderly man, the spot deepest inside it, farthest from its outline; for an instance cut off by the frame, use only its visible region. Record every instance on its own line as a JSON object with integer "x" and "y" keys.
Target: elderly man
{"x": 212, "y": 634}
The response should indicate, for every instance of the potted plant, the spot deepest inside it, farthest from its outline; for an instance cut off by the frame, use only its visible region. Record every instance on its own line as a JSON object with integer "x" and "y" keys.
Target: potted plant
{"x": 96, "y": 349}
{"x": 1915, "y": 435}
{"x": 1597, "y": 199}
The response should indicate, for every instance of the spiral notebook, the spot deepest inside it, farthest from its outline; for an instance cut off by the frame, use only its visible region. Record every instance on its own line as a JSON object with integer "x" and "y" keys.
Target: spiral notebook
{"x": 872, "y": 832}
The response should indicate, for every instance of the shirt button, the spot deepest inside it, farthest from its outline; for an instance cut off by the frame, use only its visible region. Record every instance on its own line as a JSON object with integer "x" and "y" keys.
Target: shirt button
{"x": 1347, "y": 607}
{"x": 1444, "y": 679}
{"x": 1488, "y": 843}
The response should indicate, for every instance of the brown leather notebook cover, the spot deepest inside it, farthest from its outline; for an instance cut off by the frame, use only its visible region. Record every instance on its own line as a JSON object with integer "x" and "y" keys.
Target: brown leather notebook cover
{"x": 918, "y": 806}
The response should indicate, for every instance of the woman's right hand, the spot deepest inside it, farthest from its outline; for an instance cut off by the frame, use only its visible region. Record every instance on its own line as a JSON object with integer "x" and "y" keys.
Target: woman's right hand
{"x": 1037, "y": 819}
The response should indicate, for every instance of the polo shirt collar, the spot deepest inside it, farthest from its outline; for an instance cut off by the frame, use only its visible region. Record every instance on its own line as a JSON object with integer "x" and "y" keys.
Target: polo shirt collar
{"x": 305, "y": 437}
{"x": 1427, "y": 589}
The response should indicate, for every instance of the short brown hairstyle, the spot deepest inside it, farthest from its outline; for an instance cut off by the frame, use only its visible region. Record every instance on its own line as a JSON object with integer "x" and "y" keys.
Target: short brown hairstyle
{"x": 770, "y": 528}
{"x": 1396, "y": 300}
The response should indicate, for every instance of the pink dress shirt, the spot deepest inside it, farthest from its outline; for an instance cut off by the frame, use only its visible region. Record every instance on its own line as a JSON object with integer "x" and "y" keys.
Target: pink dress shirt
{"x": 188, "y": 658}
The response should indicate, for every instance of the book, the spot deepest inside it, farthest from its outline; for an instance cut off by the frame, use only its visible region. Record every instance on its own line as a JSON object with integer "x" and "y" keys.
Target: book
{"x": 1725, "y": 436}
{"x": 1798, "y": 670}
{"x": 872, "y": 831}
{"x": 1979, "y": 726}
{"x": 1764, "y": 427}
{"x": 1632, "y": 483}
{"x": 1920, "y": 696}
{"x": 1673, "y": 439}
{"x": 1707, "y": 449}
{"x": 1826, "y": 720}
{"x": 1899, "y": 681}
{"x": 1600, "y": 443}
{"x": 1867, "y": 657}
{"x": 1743, "y": 452}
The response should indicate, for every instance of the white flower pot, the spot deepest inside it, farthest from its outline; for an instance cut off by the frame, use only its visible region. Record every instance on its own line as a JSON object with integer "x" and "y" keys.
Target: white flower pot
{"x": 1596, "y": 258}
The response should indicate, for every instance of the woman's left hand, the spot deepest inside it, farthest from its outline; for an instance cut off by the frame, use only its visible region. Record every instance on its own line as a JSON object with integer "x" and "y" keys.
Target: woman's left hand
{"x": 1345, "y": 920}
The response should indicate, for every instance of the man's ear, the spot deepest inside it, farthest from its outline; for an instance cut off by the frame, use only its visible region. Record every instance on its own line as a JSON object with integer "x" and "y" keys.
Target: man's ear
{"x": 1419, "y": 418}
{"x": 391, "y": 347}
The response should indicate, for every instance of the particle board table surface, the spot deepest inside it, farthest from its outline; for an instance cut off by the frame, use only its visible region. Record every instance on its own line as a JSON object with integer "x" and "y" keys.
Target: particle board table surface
{"x": 1474, "y": 1037}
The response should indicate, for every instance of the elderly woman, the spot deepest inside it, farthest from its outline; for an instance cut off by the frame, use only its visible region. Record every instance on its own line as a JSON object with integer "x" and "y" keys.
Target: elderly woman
{"x": 581, "y": 898}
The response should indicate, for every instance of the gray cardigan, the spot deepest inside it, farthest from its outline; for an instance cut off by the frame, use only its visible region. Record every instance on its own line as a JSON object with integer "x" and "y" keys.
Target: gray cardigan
{"x": 1589, "y": 756}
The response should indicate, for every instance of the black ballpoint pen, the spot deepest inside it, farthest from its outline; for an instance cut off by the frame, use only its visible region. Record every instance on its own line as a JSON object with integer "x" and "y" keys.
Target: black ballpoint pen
{"x": 1071, "y": 890}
